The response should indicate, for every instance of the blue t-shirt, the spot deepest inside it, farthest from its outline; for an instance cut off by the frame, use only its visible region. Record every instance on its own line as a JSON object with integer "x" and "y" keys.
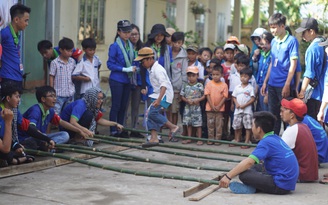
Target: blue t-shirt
{"x": 320, "y": 137}
{"x": 314, "y": 57}
{"x": 74, "y": 109}
{"x": 279, "y": 161}
{"x": 264, "y": 62}
{"x": 282, "y": 52}
{"x": 11, "y": 62}
{"x": 37, "y": 117}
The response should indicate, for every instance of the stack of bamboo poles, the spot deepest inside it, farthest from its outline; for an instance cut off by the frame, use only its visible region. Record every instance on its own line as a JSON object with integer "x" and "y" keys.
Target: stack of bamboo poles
{"x": 121, "y": 156}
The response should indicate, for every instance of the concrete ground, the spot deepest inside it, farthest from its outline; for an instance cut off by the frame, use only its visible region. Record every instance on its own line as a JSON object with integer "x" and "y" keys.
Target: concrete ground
{"x": 52, "y": 181}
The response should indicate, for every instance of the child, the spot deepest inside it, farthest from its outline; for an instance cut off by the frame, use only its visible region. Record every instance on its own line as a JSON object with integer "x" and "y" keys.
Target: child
{"x": 161, "y": 97}
{"x": 205, "y": 54}
{"x": 61, "y": 74}
{"x": 219, "y": 54}
{"x": 192, "y": 51}
{"x": 87, "y": 69}
{"x": 228, "y": 55}
{"x": 179, "y": 74}
{"x": 216, "y": 93}
{"x": 11, "y": 63}
{"x": 192, "y": 94}
{"x": 41, "y": 115}
{"x": 243, "y": 96}
{"x": 168, "y": 39}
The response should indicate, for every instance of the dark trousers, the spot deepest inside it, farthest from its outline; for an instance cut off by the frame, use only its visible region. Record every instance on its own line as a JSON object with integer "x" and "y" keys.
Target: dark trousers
{"x": 120, "y": 97}
{"x": 263, "y": 182}
{"x": 274, "y": 105}
{"x": 85, "y": 121}
{"x": 313, "y": 107}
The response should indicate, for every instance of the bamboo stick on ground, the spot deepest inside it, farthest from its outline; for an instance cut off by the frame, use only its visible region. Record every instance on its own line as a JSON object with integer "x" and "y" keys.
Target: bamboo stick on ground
{"x": 174, "y": 152}
{"x": 194, "y": 138}
{"x": 122, "y": 170}
{"x": 106, "y": 153}
{"x": 107, "y": 138}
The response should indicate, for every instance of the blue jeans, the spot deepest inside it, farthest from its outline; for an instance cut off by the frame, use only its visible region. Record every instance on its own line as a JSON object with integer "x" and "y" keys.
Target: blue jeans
{"x": 61, "y": 103}
{"x": 60, "y": 137}
{"x": 120, "y": 97}
{"x": 261, "y": 106}
{"x": 274, "y": 105}
{"x": 155, "y": 119}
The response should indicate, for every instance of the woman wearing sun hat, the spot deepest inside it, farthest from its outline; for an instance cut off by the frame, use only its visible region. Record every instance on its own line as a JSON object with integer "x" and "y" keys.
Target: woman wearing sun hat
{"x": 120, "y": 63}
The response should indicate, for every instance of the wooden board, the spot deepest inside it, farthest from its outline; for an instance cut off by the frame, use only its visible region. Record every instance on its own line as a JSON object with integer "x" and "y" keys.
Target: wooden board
{"x": 198, "y": 188}
{"x": 202, "y": 194}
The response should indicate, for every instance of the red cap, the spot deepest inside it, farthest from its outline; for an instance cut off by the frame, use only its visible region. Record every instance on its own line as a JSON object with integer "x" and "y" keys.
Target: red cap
{"x": 296, "y": 105}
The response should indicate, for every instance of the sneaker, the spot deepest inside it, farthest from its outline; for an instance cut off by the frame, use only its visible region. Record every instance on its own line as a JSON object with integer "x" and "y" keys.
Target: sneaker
{"x": 240, "y": 188}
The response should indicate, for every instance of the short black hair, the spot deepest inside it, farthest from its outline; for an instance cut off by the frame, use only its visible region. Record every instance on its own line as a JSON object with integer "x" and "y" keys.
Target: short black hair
{"x": 238, "y": 55}
{"x": 66, "y": 43}
{"x": 42, "y": 92}
{"x": 200, "y": 52}
{"x": 217, "y": 48}
{"x": 247, "y": 71}
{"x": 277, "y": 19}
{"x": 267, "y": 36}
{"x": 178, "y": 36}
{"x": 265, "y": 120}
{"x": 8, "y": 88}
{"x": 215, "y": 61}
{"x": 89, "y": 43}
{"x": 218, "y": 67}
{"x": 44, "y": 45}
{"x": 18, "y": 10}
{"x": 243, "y": 59}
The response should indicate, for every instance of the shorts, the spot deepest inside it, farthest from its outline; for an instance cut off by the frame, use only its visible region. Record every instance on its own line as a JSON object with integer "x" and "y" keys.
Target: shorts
{"x": 192, "y": 115}
{"x": 242, "y": 119}
{"x": 175, "y": 106}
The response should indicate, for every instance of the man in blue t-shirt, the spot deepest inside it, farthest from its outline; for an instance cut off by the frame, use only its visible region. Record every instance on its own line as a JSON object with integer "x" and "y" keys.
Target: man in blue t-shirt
{"x": 284, "y": 62}
{"x": 279, "y": 171}
{"x": 11, "y": 62}
{"x": 314, "y": 69}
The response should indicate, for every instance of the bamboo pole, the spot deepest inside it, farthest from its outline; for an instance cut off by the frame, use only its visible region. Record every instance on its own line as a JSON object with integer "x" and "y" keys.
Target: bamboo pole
{"x": 107, "y": 138}
{"x": 122, "y": 170}
{"x": 174, "y": 152}
{"x": 193, "y": 138}
{"x": 106, "y": 153}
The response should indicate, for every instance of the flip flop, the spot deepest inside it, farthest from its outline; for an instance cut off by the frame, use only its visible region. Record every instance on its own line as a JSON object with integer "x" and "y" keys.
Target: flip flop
{"x": 200, "y": 143}
{"x": 149, "y": 144}
{"x": 324, "y": 181}
{"x": 186, "y": 141}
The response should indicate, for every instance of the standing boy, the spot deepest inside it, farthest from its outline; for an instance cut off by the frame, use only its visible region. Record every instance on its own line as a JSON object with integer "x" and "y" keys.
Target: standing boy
{"x": 243, "y": 97}
{"x": 178, "y": 72}
{"x": 192, "y": 52}
{"x": 192, "y": 94}
{"x": 284, "y": 60}
{"x": 161, "y": 97}
{"x": 61, "y": 74}
{"x": 11, "y": 63}
{"x": 87, "y": 69}
{"x": 216, "y": 93}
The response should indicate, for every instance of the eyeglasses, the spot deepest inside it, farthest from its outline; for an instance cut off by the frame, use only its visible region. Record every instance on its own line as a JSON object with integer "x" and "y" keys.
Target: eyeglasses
{"x": 51, "y": 96}
{"x": 134, "y": 34}
{"x": 100, "y": 99}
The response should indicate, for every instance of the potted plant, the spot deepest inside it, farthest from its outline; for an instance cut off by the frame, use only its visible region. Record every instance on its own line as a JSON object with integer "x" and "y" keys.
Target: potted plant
{"x": 198, "y": 9}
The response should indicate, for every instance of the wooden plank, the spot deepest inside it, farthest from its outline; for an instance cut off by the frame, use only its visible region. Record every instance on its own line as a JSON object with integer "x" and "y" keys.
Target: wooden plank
{"x": 202, "y": 194}
{"x": 198, "y": 188}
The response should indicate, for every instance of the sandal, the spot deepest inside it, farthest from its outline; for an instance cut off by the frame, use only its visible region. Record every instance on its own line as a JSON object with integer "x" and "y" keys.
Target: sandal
{"x": 232, "y": 145}
{"x": 149, "y": 144}
{"x": 200, "y": 142}
{"x": 28, "y": 159}
{"x": 186, "y": 141}
{"x": 324, "y": 181}
{"x": 172, "y": 135}
{"x": 210, "y": 143}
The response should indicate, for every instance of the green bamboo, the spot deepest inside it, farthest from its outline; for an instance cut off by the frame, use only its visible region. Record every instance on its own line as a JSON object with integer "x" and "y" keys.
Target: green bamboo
{"x": 174, "y": 152}
{"x": 193, "y": 138}
{"x": 106, "y": 153}
{"x": 107, "y": 138}
{"x": 122, "y": 170}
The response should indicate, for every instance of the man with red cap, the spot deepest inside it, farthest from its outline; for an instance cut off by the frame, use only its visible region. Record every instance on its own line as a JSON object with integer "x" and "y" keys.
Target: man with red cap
{"x": 299, "y": 138}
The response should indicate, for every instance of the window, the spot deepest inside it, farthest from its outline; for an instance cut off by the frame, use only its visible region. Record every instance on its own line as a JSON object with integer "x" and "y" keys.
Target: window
{"x": 92, "y": 16}
{"x": 171, "y": 10}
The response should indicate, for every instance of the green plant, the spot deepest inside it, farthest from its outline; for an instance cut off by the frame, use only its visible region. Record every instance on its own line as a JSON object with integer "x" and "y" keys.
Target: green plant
{"x": 198, "y": 8}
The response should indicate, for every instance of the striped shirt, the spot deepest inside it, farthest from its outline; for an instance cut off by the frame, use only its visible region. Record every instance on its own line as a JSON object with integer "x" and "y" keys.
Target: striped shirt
{"x": 62, "y": 73}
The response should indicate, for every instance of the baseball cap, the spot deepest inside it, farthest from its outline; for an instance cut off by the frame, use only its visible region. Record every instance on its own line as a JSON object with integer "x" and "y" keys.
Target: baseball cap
{"x": 307, "y": 23}
{"x": 124, "y": 25}
{"x": 143, "y": 53}
{"x": 296, "y": 105}
{"x": 229, "y": 46}
{"x": 233, "y": 40}
{"x": 258, "y": 32}
{"x": 192, "y": 69}
{"x": 192, "y": 47}
{"x": 243, "y": 48}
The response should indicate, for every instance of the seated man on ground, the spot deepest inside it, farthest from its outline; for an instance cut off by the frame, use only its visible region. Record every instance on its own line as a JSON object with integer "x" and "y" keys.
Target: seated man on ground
{"x": 279, "y": 171}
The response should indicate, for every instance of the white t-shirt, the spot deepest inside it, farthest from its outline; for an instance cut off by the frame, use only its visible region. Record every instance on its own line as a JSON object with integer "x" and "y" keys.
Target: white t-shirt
{"x": 243, "y": 95}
